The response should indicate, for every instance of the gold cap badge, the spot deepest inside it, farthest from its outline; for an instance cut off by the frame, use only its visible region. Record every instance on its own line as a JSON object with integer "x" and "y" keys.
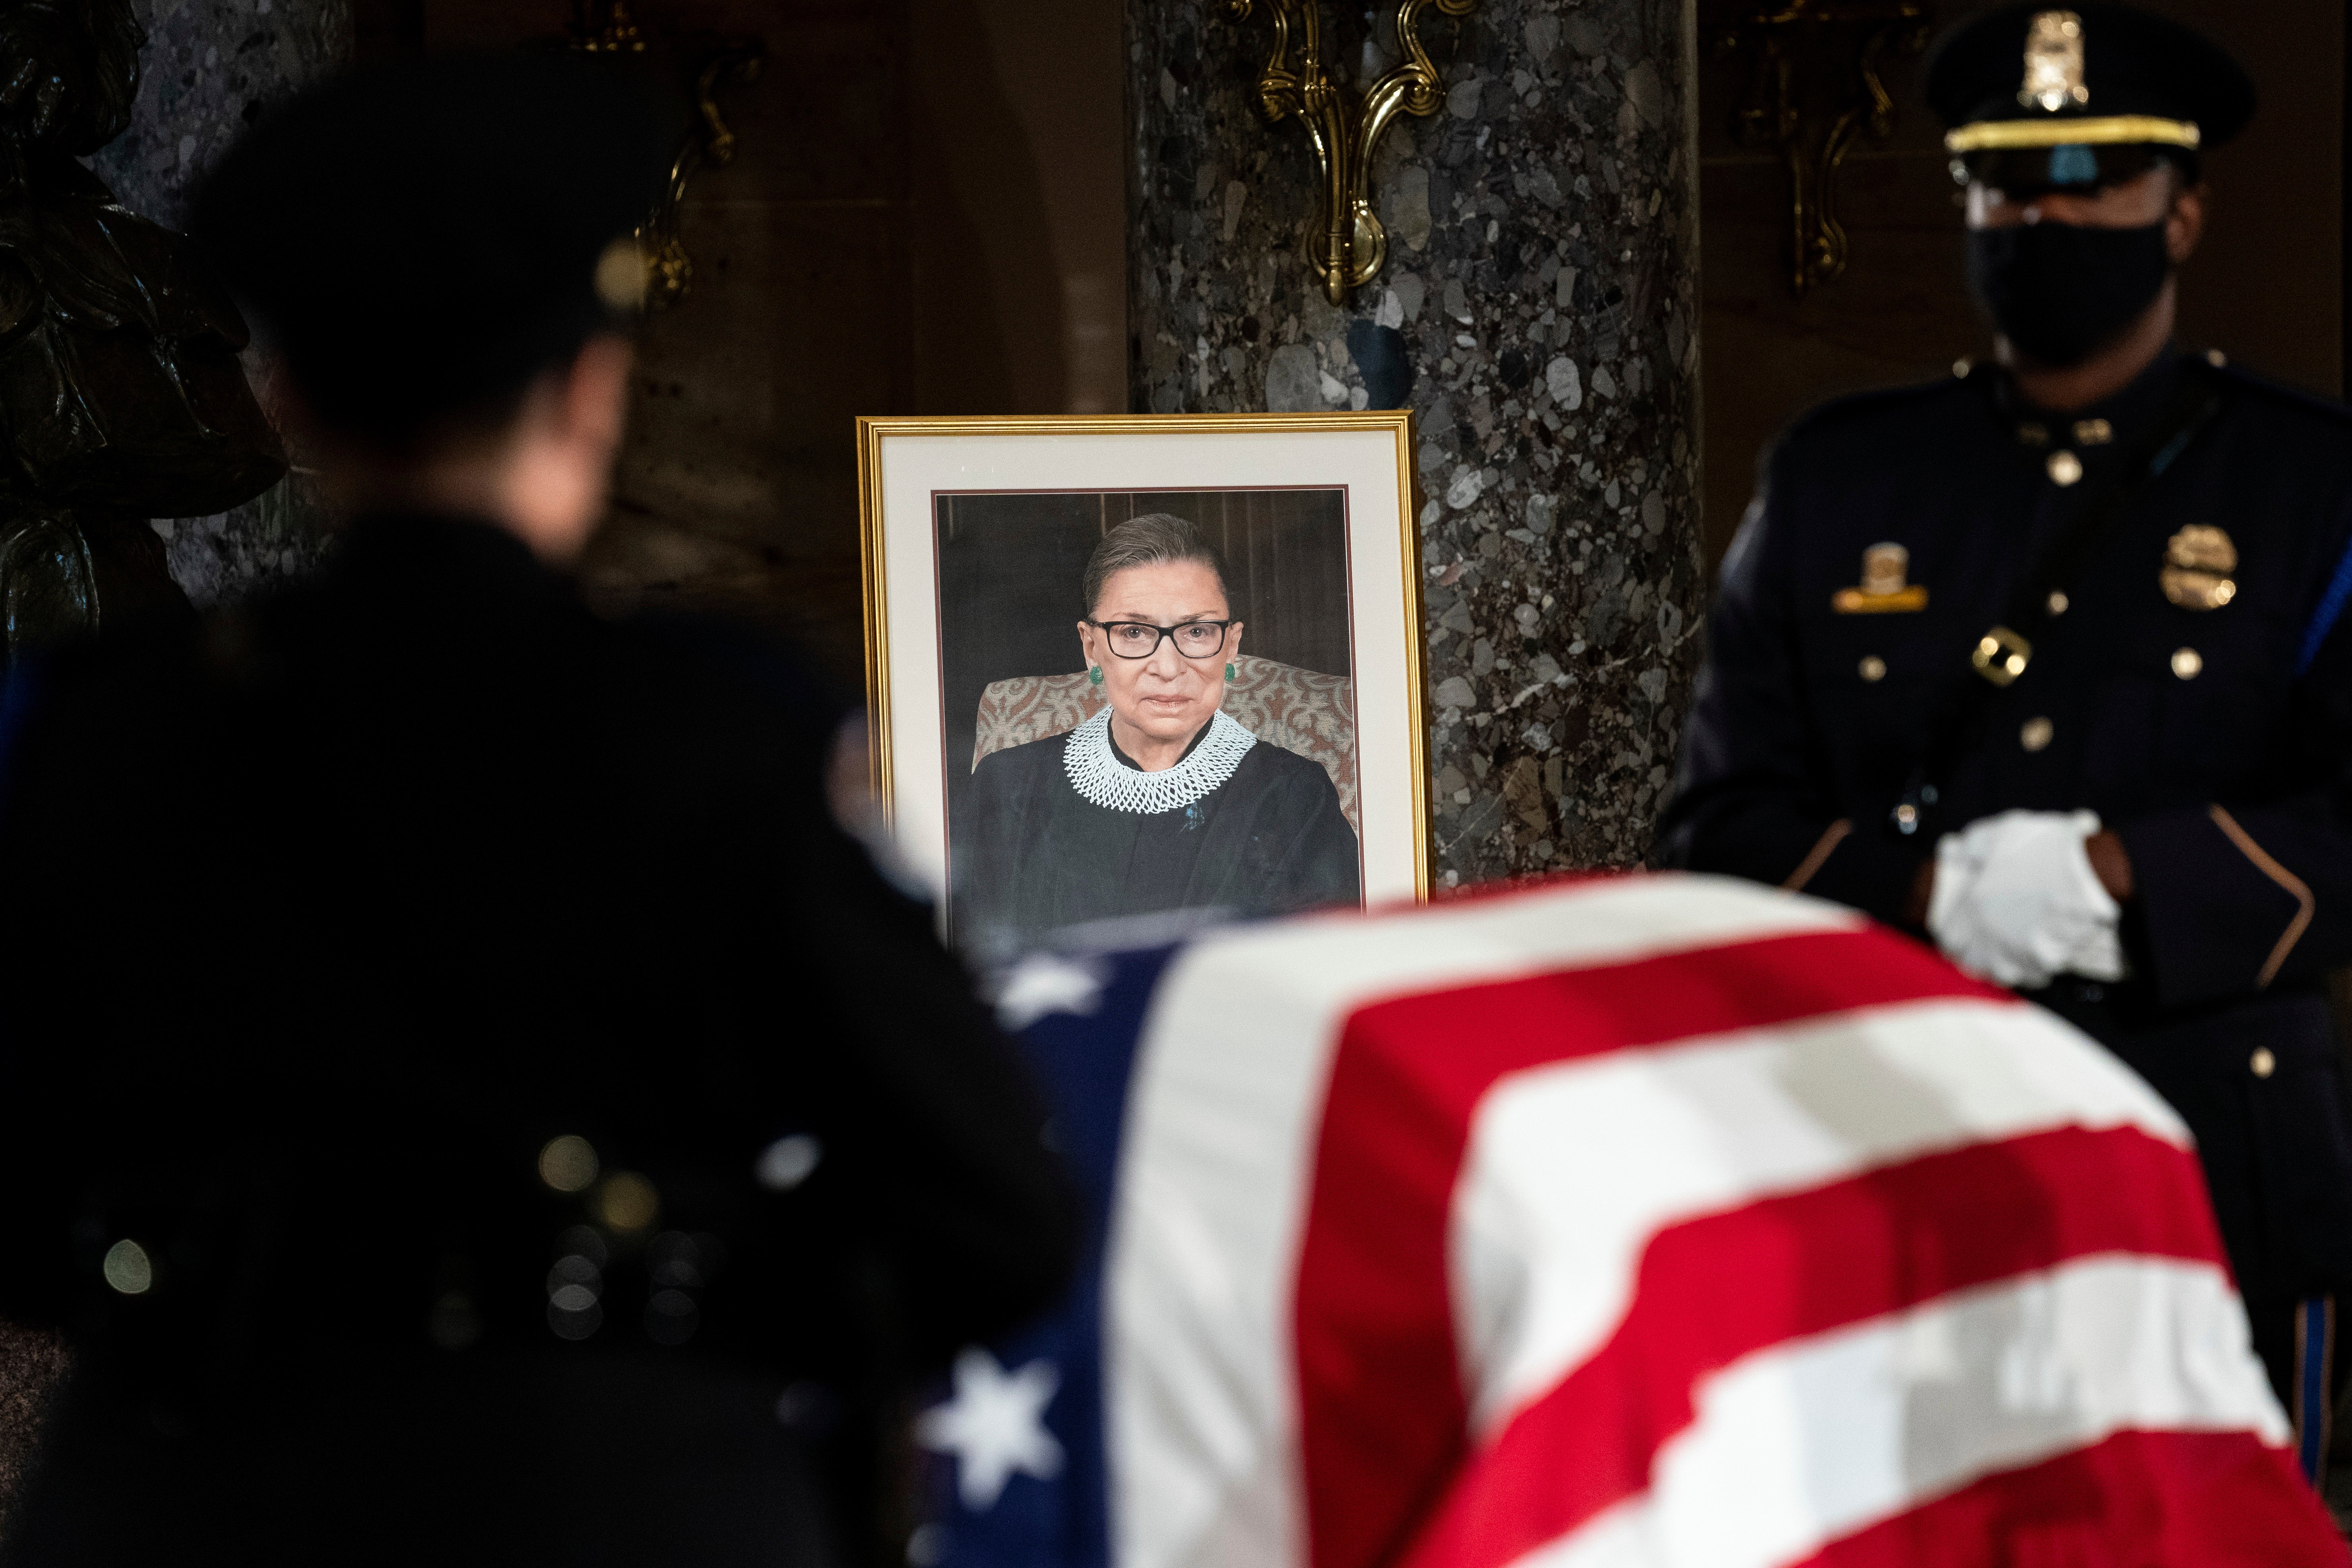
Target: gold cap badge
{"x": 2198, "y": 562}
{"x": 2054, "y": 63}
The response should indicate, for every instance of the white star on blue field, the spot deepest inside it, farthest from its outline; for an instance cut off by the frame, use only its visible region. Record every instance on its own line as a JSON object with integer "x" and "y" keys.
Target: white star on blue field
{"x": 1042, "y": 983}
{"x": 994, "y": 1425}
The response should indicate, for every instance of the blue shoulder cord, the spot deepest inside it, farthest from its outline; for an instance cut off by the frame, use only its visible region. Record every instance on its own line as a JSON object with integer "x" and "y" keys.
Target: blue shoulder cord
{"x": 2331, "y": 607}
{"x": 18, "y": 693}
{"x": 18, "y": 690}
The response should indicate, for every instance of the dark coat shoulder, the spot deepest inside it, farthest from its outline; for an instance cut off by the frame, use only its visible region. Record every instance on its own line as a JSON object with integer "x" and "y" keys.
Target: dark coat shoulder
{"x": 427, "y": 843}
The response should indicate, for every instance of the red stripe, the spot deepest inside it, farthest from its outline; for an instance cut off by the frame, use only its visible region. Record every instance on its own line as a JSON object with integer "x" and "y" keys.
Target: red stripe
{"x": 2139, "y": 1499}
{"x": 1713, "y": 1291}
{"x": 1379, "y": 1400}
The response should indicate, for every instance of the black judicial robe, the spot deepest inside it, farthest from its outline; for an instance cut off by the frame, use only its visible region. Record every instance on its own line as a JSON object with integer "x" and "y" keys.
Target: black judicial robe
{"x": 320, "y": 920}
{"x": 1033, "y": 856}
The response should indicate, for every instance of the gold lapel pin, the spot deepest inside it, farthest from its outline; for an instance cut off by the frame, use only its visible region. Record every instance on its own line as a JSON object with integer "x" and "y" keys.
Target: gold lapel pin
{"x": 1885, "y": 587}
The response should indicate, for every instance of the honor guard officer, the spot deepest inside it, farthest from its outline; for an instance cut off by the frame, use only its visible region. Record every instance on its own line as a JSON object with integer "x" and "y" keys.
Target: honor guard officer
{"x": 2050, "y": 658}
{"x": 462, "y": 1096}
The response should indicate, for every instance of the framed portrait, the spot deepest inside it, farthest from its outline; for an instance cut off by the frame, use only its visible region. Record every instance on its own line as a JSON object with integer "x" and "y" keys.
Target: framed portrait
{"x": 1120, "y": 668}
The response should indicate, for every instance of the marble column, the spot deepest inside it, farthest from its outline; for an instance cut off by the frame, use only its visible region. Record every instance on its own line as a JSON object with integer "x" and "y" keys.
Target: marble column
{"x": 1539, "y": 314}
{"x": 209, "y": 69}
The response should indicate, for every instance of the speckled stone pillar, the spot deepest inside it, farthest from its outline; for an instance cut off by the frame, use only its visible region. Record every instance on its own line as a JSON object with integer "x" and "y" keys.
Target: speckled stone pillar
{"x": 210, "y": 69}
{"x": 1537, "y": 313}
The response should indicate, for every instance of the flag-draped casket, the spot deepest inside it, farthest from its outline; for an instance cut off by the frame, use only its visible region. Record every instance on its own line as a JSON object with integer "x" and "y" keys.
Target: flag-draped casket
{"x": 1637, "y": 1221}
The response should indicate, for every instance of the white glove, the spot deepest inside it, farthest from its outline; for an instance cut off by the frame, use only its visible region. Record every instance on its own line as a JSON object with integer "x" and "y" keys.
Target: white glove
{"x": 2016, "y": 900}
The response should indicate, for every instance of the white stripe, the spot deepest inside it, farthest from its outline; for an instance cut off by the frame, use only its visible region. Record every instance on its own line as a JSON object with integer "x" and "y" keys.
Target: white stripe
{"x": 1810, "y": 1441}
{"x": 1573, "y": 1166}
{"x": 1220, "y": 1132}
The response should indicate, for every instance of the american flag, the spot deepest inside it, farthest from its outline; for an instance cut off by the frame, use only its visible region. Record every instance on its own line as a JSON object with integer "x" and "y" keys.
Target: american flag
{"x": 1635, "y": 1222}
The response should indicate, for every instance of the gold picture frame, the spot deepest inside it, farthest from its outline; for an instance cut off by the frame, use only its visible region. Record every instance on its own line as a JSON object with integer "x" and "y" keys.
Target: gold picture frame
{"x": 914, "y": 473}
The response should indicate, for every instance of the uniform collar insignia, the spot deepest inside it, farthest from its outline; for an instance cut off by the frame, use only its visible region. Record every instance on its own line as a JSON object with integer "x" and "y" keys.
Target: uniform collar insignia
{"x": 2198, "y": 562}
{"x": 2054, "y": 63}
{"x": 2085, "y": 432}
{"x": 1884, "y": 589}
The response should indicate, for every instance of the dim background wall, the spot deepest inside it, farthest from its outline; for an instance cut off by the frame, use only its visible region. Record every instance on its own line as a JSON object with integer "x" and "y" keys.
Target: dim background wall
{"x": 1011, "y": 565}
{"x": 928, "y": 218}
{"x": 2267, "y": 287}
{"x": 925, "y": 217}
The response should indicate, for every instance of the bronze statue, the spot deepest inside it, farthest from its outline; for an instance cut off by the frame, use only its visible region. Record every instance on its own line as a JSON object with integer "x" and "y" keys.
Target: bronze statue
{"x": 120, "y": 393}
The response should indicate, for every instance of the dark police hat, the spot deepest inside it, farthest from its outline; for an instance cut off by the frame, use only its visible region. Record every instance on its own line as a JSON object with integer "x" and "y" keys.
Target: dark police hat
{"x": 2071, "y": 85}
{"x": 420, "y": 241}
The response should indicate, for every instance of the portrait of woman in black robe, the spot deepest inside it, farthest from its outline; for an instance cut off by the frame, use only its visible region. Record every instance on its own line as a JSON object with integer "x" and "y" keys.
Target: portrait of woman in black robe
{"x": 1161, "y": 801}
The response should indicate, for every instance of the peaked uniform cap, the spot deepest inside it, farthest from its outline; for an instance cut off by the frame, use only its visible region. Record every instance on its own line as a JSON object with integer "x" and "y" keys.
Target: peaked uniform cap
{"x": 423, "y": 237}
{"x": 2143, "y": 79}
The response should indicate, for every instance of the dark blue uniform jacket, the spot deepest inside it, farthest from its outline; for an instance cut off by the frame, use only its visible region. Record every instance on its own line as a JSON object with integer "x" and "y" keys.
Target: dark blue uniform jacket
{"x": 2217, "y": 742}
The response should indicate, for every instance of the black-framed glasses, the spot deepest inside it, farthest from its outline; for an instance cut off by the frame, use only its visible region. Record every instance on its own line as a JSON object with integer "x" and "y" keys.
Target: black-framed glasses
{"x": 1141, "y": 639}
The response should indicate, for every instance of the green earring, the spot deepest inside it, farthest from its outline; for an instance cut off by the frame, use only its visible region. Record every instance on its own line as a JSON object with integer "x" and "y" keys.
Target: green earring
{"x": 1094, "y": 674}
{"x": 1231, "y": 673}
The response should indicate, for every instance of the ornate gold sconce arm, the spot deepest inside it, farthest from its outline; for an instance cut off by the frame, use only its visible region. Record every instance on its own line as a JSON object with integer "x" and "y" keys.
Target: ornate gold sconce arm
{"x": 709, "y": 145}
{"x": 606, "y": 26}
{"x": 1795, "y": 49}
{"x": 1350, "y": 245}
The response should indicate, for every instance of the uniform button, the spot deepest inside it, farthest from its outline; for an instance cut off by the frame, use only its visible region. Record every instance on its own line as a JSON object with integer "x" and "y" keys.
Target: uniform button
{"x": 2036, "y": 734}
{"x": 2264, "y": 1063}
{"x": 2064, "y": 468}
{"x": 2188, "y": 663}
{"x": 1873, "y": 667}
{"x": 2216, "y": 358}
{"x": 2058, "y": 602}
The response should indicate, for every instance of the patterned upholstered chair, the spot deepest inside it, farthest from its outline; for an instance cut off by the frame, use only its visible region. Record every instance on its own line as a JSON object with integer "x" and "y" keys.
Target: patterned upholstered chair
{"x": 1281, "y": 704}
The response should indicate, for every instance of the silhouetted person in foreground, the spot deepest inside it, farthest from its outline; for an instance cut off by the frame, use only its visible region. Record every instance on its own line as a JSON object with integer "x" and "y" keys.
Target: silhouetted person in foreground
{"x": 463, "y": 1099}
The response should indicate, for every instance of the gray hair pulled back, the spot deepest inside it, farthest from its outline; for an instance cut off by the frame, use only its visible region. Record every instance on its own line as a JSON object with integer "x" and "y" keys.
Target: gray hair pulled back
{"x": 1155, "y": 539}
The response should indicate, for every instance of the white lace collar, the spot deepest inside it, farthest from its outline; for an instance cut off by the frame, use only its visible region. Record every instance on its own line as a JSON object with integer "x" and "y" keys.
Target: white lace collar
{"x": 1096, "y": 772}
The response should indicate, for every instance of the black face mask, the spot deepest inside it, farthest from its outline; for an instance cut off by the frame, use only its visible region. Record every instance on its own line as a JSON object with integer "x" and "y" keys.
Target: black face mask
{"x": 2057, "y": 291}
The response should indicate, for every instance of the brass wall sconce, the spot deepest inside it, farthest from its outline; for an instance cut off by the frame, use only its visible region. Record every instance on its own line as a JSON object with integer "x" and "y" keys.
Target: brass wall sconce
{"x": 1350, "y": 245}
{"x": 1790, "y": 47}
{"x": 606, "y": 28}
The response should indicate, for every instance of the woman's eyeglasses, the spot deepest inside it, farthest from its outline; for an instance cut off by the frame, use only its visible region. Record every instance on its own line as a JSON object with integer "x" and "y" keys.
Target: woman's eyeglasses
{"x": 1141, "y": 639}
